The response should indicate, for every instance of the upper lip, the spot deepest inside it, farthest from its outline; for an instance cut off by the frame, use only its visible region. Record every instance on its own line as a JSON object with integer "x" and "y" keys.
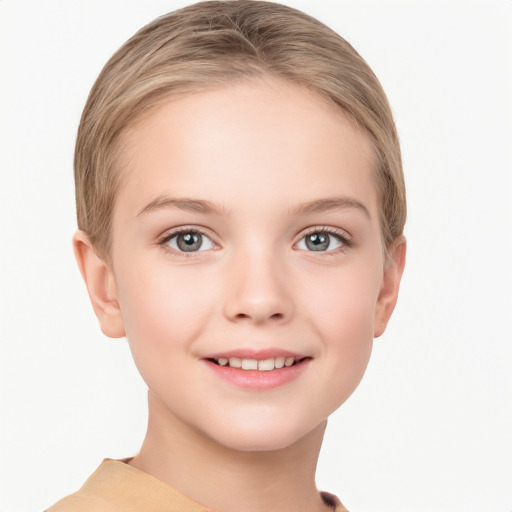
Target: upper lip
{"x": 258, "y": 354}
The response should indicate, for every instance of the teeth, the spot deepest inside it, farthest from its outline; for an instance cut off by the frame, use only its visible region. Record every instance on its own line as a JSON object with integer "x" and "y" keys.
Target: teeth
{"x": 234, "y": 362}
{"x": 289, "y": 361}
{"x": 249, "y": 364}
{"x": 265, "y": 365}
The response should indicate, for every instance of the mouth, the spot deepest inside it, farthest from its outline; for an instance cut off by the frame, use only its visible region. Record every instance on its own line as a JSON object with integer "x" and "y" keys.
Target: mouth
{"x": 258, "y": 370}
{"x": 262, "y": 365}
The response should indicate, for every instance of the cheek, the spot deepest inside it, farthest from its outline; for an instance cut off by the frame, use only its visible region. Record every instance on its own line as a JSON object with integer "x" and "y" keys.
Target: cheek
{"x": 342, "y": 312}
{"x": 163, "y": 313}
{"x": 342, "y": 301}
{"x": 349, "y": 339}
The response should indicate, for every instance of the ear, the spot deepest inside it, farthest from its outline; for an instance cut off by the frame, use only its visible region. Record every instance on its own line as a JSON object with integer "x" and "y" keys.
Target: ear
{"x": 390, "y": 284}
{"x": 101, "y": 286}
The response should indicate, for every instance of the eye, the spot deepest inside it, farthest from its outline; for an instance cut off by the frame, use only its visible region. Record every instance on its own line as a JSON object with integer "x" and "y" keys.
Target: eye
{"x": 321, "y": 241}
{"x": 189, "y": 241}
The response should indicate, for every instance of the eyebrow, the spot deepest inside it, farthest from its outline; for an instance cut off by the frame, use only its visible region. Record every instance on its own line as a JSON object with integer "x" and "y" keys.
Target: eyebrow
{"x": 186, "y": 204}
{"x": 330, "y": 203}
{"x": 204, "y": 206}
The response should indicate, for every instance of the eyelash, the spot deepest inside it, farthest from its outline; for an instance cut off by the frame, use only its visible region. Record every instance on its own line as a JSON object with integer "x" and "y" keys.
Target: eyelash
{"x": 341, "y": 235}
{"x": 175, "y": 232}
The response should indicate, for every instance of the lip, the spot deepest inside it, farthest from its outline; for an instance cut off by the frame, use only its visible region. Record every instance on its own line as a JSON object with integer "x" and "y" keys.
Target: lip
{"x": 257, "y": 380}
{"x": 259, "y": 354}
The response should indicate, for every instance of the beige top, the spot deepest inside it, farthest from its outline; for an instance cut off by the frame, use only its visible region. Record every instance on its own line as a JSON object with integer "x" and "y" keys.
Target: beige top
{"x": 115, "y": 486}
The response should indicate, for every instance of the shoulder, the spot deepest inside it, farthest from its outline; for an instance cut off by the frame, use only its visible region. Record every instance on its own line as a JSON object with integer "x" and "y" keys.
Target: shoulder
{"x": 80, "y": 503}
{"x": 98, "y": 493}
{"x": 104, "y": 491}
{"x": 117, "y": 487}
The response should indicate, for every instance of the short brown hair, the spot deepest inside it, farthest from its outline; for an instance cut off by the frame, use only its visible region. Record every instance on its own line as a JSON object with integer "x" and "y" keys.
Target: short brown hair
{"x": 214, "y": 43}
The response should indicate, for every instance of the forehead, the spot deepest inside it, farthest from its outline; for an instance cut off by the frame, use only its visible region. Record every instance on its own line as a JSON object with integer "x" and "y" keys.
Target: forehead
{"x": 238, "y": 142}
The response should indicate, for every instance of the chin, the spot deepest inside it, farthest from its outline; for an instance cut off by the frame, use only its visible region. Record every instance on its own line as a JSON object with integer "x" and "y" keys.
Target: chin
{"x": 263, "y": 436}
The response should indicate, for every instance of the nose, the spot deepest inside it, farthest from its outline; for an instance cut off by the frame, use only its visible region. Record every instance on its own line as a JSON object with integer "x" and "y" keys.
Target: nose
{"x": 258, "y": 291}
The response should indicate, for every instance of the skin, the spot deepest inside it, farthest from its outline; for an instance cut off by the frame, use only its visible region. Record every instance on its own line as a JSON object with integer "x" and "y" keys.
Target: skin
{"x": 265, "y": 154}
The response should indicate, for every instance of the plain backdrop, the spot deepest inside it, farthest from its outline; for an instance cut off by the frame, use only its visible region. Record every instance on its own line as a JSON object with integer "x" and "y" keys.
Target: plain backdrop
{"x": 430, "y": 427}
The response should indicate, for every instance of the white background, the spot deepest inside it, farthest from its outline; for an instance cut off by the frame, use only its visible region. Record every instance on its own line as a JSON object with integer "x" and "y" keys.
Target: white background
{"x": 430, "y": 428}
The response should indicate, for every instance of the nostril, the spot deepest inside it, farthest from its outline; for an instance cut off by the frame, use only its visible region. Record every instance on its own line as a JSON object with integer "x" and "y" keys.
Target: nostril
{"x": 258, "y": 308}
{"x": 245, "y": 316}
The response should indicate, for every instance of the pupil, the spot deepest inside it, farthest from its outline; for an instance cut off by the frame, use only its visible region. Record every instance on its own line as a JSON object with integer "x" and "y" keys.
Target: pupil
{"x": 189, "y": 242}
{"x": 317, "y": 241}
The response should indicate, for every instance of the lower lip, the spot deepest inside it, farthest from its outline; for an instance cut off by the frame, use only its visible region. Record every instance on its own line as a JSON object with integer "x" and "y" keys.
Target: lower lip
{"x": 259, "y": 380}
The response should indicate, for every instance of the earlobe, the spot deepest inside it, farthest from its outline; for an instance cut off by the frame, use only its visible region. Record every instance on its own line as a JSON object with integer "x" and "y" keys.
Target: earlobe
{"x": 390, "y": 285}
{"x": 101, "y": 287}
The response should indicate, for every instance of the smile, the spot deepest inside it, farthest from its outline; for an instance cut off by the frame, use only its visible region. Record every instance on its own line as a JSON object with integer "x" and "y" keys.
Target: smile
{"x": 258, "y": 371}
{"x": 263, "y": 365}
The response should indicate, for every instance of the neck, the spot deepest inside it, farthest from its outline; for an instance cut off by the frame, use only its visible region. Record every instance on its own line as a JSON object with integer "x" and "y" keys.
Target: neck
{"x": 230, "y": 480}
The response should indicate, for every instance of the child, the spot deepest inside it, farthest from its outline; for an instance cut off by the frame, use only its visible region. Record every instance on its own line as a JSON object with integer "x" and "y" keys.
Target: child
{"x": 240, "y": 206}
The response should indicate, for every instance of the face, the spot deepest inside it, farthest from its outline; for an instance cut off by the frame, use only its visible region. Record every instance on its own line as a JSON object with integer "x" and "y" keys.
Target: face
{"x": 246, "y": 233}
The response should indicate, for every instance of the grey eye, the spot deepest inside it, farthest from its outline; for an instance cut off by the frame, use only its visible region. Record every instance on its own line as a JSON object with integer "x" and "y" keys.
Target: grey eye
{"x": 320, "y": 241}
{"x": 190, "y": 241}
